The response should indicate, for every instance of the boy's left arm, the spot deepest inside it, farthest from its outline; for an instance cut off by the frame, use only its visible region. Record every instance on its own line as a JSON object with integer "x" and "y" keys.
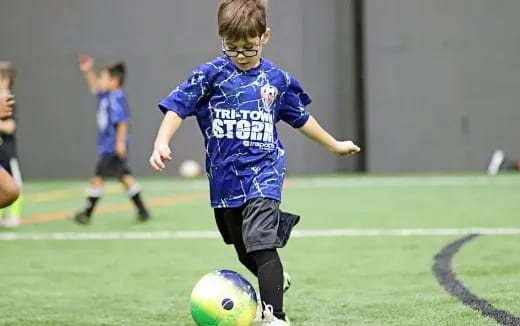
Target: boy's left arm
{"x": 314, "y": 131}
{"x": 121, "y": 130}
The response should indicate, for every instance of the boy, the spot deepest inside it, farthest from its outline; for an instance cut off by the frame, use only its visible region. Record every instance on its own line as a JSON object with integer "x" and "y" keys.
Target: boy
{"x": 112, "y": 121}
{"x": 8, "y": 126}
{"x": 237, "y": 99}
{"x": 8, "y": 189}
{"x": 499, "y": 162}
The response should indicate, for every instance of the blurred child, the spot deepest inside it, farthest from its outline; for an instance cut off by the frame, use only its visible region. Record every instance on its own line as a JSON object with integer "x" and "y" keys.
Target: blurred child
{"x": 9, "y": 191}
{"x": 8, "y": 126}
{"x": 112, "y": 122}
{"x": 237, "y": 99}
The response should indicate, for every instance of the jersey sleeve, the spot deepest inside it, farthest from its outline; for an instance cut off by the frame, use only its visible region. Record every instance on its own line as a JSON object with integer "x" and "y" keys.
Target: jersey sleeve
{"x": 294, "y": 102}
{"x": 119, "y": 109}
{"x": 183, "y": 100}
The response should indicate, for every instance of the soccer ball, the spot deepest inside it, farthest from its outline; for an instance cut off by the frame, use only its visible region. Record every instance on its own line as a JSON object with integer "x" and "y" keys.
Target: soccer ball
{"x": 190, "y": 169}
{"x": 223, "y": 298}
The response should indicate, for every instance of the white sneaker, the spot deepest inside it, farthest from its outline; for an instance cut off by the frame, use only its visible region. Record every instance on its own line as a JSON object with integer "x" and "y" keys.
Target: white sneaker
{"x": 496, "y": 161}
{"x": 271, "y": 320}
{"x": 258, "y": 316}
{"x": 11, "y": 222}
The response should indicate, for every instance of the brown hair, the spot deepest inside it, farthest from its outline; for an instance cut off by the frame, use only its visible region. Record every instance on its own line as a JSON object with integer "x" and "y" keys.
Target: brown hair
{"x": 241, "y": 19}
{"x": 7, "y": 71}
{"x": 117, "y": 71}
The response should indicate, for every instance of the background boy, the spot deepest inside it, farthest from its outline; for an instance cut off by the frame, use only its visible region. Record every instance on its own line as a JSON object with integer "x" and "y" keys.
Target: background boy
{"x": 11, "y": 215}
{"x": 112, "y": 121}
{"x": 237, "y": 99}
{"x": 9, "y": 191}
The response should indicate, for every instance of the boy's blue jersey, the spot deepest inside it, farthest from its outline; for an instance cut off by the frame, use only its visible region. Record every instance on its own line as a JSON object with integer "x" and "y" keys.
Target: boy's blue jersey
{"x": 112, "y": 109}
{"x": 236, "y": 112}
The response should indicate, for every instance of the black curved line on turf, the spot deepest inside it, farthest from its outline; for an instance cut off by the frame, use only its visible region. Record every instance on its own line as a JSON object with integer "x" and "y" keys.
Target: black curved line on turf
{"x": 446, "y": 277}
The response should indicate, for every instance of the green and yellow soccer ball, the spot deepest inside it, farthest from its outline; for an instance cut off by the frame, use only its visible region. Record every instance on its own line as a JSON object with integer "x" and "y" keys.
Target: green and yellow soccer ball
{"x": 223, "y": 298}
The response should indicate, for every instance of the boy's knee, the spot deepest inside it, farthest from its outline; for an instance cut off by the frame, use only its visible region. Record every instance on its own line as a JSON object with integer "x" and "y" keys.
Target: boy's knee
{"x": 263, "y": 257}
{"x": 10, "y": 194}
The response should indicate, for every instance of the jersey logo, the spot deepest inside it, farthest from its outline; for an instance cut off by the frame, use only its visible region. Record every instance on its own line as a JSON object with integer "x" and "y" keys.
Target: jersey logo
{"x": 102, "y": 115}
{"x": 269, "y": 94}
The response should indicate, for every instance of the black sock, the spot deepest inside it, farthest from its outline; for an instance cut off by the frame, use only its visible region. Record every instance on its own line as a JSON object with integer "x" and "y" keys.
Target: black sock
{"x": 138, "y": 202}
{"x": 270, "y": 280}
{"x": 248, "y": 261}
{"x": 91, "y": 204}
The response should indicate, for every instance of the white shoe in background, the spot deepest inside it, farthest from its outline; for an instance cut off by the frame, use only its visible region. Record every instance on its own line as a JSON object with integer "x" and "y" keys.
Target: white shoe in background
{"x": 496, "y": 162}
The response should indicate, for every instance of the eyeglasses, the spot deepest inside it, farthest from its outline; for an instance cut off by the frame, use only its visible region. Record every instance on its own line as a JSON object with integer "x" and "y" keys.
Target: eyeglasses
{"x": 246, "y": 53}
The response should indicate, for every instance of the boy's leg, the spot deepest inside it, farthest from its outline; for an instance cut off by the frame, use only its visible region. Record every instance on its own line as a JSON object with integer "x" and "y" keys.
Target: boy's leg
{"x": 260, "y": 229}
{"x": 15, "y": 210}
{"x": 94, "y": 194}
{"x": 9, "y": 191}
{"x": 134, "y": 192}
{"x": 13, "y": 213}
{"x": 229, "y": 222}
{"x": 270, "y": 279}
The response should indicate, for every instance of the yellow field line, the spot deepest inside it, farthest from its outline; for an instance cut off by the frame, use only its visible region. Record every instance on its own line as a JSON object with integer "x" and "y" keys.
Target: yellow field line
{"x": 62, "y": 194}
{"x": 162, "y": 201}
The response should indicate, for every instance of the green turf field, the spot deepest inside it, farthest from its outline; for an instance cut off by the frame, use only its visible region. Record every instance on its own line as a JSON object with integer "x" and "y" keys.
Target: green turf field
{"x": 366, "y": 279}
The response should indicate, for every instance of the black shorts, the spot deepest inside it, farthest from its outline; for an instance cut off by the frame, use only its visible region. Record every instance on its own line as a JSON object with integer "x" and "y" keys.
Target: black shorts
{"x": 112, "y": 167}
{"x": 4, "y": 158}
{"x": 259, "y": 223}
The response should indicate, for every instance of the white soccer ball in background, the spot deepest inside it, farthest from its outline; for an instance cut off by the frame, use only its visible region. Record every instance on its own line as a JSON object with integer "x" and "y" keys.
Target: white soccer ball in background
{"x": 190, "y": 169}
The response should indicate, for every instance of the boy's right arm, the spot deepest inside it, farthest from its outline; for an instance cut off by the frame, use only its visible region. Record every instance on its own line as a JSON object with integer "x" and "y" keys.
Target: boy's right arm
{"x": 86, "y": 64}
{"x": 314, "y": 131}
{"x": 161, "y": 151}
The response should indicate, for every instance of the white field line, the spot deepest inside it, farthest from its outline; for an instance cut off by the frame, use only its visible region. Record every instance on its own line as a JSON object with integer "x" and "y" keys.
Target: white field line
{"x": 369, "y": 181}
{"x": 12, "y": 236}
{"x": 358, "y": 182}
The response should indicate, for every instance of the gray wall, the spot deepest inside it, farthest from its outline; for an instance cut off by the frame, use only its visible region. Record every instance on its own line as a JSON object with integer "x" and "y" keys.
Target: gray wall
{"x": 161, "y": 42}
{"x": 443, "y": 84}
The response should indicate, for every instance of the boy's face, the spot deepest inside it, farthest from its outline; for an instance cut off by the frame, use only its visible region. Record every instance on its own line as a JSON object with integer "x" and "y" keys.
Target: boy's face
{"x": 106, "y": 82}
{"x": 245, "y": 48}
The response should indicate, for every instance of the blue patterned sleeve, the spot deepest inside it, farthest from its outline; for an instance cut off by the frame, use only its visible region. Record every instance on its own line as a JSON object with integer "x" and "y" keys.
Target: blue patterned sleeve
{"x": 119, "y": 109}
{"x": 294, "y": 103}
{"x": 183, "y": 100}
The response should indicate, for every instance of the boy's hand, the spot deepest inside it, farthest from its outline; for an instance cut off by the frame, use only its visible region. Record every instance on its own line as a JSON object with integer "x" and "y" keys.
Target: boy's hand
{"x": 160, "y": 154}
{"x": 346, "y": 148}
{"x": 86, "y": 63}
{"x": 121, "y": 150}
{"x": 6, "y": 106}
